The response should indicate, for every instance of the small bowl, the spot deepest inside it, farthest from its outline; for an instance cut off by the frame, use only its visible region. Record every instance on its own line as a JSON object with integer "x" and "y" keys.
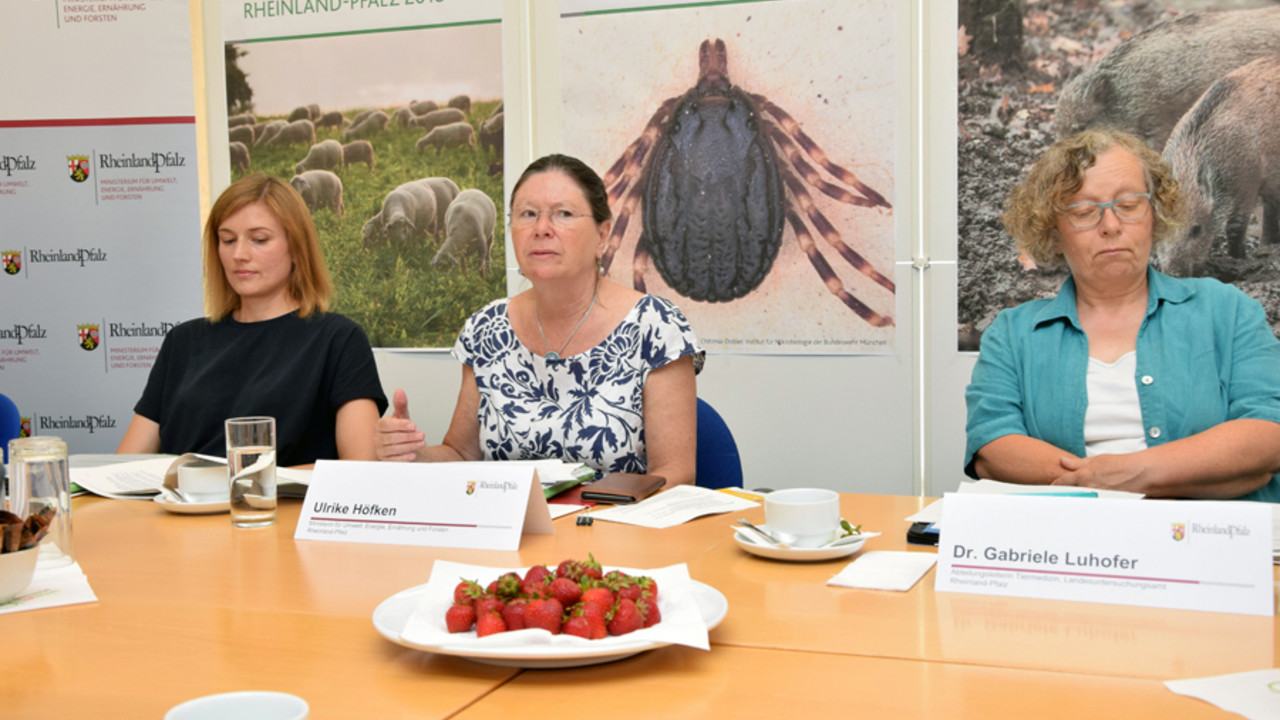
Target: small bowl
{"x": 16, "y": 571}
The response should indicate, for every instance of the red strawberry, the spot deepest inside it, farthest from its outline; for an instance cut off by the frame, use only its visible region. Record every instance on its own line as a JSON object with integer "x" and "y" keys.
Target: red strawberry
{"x": 466, "y": 592}
{"x": 629, "y": 589}
{"x": 571, "y": 569}
{"x": 507, "y": 586}
{"x": 648, "y": 607}
{"x": 648, "y": 585}
{"x": 578, "y": 625}
{"x": 625, "y": 618}
{"x": 598, "y": 596}
{"x": 614, "y": 578}
{"x": 545, "y": 614}
{"x": 591, "y": 568}
{"x": 566, "y": 591}
{"x": 536, "y": 588}
{"x": 488, "y": 603}
{"x": 513, "y": 614}
{"x": 536, "y": 573}
{"x": 459, "y": 618}
{"x": 490, "y": 623}
{"x": 587, "y": 620}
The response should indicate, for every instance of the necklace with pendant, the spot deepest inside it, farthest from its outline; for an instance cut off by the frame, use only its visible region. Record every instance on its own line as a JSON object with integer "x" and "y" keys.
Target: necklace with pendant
{"x": 552, "y": 354}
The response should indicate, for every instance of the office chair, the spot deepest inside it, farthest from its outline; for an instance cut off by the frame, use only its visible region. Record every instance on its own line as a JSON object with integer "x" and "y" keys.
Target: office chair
{"x": 10, "y": 425}
{"x": 718, "y": 462}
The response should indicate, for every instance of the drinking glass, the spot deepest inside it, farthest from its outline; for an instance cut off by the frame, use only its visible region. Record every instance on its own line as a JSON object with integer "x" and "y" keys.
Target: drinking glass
{"x": 39, "y": 484}
{"x": 251, "y": 464}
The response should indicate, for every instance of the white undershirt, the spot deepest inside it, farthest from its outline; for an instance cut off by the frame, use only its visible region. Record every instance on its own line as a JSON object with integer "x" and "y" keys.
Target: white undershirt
{"x": 1113, "y": 419}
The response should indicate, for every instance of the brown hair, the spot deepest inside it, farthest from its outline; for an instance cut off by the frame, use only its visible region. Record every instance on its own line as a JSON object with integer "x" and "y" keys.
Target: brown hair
{"x": 582, "y": 175}
{"x": 1031, "y": 215}
{"x": 309, "y": 282}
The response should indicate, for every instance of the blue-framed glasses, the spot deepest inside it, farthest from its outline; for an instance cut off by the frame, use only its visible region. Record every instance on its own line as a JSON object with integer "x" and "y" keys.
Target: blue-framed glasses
{"x": 1128, "y": 209}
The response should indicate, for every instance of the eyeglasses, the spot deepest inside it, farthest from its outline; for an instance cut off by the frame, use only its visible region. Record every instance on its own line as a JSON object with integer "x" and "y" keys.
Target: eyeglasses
{"x": 560, "y": 217}
{"x": 1128, "y": 209}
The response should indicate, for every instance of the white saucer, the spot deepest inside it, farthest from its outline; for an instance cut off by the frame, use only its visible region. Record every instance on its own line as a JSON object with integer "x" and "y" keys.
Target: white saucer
{"x": 748, "y": 542}
{"x": 193, "y": 508}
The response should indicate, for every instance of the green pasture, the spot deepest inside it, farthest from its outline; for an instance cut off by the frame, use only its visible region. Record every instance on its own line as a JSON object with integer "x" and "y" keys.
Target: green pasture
{"x": 394, "y": 293}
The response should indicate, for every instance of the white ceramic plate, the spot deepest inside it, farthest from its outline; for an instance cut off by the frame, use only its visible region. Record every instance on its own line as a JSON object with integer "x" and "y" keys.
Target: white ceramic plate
{"x": 193, "y": 508}
{"x": 391, "y": 616}
{"x": 746, "y": 540}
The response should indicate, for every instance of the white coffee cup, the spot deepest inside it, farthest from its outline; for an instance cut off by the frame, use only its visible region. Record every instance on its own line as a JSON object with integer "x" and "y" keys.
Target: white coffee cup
{"x": 249, "y": 705}
{"x": 803, "y": 517}
{"x": 204, "y": 481}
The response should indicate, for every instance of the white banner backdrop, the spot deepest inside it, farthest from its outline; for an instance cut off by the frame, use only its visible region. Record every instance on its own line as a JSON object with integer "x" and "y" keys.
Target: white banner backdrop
{"x": 99, "y": 193}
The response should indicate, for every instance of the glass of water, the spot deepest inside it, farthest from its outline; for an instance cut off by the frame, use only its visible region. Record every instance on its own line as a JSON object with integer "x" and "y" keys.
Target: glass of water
{"x": 40, "y": 485}
{"x": 251, "y": 464}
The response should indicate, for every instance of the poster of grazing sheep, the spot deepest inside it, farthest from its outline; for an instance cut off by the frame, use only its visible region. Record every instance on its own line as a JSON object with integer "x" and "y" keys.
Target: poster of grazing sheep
{"x": 750, "y": 150}
{"x": 393, "y": 135}
{"x": 1199, "y": 82}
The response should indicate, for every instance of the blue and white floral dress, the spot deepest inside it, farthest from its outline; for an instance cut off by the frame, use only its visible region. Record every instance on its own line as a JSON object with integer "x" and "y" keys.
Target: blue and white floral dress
{"x": 586, "y": 408}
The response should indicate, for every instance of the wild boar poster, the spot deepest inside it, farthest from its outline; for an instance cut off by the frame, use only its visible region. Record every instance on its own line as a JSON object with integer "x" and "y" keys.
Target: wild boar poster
{"x": 99, "y": 195}
{"x": 750, "y": 151}
{"x": 380, "y": 118}
{"x": 1197, "y": 85}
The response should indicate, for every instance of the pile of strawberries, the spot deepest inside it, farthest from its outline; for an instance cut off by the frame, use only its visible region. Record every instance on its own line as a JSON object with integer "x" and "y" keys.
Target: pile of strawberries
{"x": 576, "y": 598}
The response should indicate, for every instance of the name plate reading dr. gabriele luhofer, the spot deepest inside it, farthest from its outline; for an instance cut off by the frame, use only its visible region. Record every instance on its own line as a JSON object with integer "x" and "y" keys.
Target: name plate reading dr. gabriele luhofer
{"x": 1158, "y": 553}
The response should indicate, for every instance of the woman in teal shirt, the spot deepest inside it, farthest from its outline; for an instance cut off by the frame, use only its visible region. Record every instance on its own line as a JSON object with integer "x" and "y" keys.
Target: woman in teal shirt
{"x": 1128, "y": 379}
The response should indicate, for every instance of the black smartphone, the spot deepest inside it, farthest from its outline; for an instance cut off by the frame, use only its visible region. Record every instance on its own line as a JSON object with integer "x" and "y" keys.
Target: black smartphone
{"x": 923, "y": 533}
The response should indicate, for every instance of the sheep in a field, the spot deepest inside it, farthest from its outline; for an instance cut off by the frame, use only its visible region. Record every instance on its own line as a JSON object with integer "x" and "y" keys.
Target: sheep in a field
{"x": 325, "y": 155}
{"x": 491, "y": 133}
{"x": 263, "y": 131}
{"x": 299, "y": 113}
{"x": 436, "y": 118}
{"x": 314, "y": 110}
{"x": 360, "y": 116}
{"x": 372, "y": 123}
{"x": 242, "y": 119}
{"x": 469, "y": 226}
{"x": 358, "y": 151}
{"x": 320, "y": 189}
{"x": 462, "y": 102}
{"x": 298, "y": 132}
{"x": 401, "y": 117}
{"x": 445, "y": 190}
{"x": 331, "y": 119}
{"x": 422, "y": 107}
{"x": 454, "y": 134}
{"x": 239, "y": 156}
{"x": 408, "y": 214}
{"x": 241, "y": 134}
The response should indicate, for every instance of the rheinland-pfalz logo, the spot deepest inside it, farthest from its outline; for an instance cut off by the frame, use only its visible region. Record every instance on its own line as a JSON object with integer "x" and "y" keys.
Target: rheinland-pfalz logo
{"x": 11, "y": 261}
{"x": 157, "y": 160}
{"x": 13, "y": 163}
{"x": 22, "y": 333}
{"x": 24, "y": 427}
{"x": 78, "y": 167}
{"x": 87, "y": 422}
{"x": 89, "y": 336}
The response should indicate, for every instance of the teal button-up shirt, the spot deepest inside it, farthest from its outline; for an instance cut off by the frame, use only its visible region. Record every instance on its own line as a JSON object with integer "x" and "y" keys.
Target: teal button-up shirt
{"x": 1205, "y": 355}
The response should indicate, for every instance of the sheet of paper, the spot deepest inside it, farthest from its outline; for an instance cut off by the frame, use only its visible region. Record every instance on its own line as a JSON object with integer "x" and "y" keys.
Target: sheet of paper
{"x": 53, "y": 587}
{"x": 142, "y": 479}
{"x": 932, "y": 513}
{"x": 1155, "y": 553}
{"x": 1253, "y": 695}
{"x": 484, "y": 506}
{"x": 559, "y": 511}
{"x": 674, "y": 507}
{"x": 885, "y": 570}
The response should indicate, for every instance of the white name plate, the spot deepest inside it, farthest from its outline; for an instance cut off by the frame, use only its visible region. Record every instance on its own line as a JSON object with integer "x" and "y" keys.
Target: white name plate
{"x": 1192, "y": 555}
{"x": 478, "y": 505}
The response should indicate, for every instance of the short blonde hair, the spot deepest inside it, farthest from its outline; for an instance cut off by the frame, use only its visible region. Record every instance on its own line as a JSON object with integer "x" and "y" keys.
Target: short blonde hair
{"x": 309, "y": 282}
{"x": 1031, "y": 215}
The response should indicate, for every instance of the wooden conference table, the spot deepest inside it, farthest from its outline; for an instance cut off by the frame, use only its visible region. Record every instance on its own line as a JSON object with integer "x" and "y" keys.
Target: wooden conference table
{"x": 188, "y": 606}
